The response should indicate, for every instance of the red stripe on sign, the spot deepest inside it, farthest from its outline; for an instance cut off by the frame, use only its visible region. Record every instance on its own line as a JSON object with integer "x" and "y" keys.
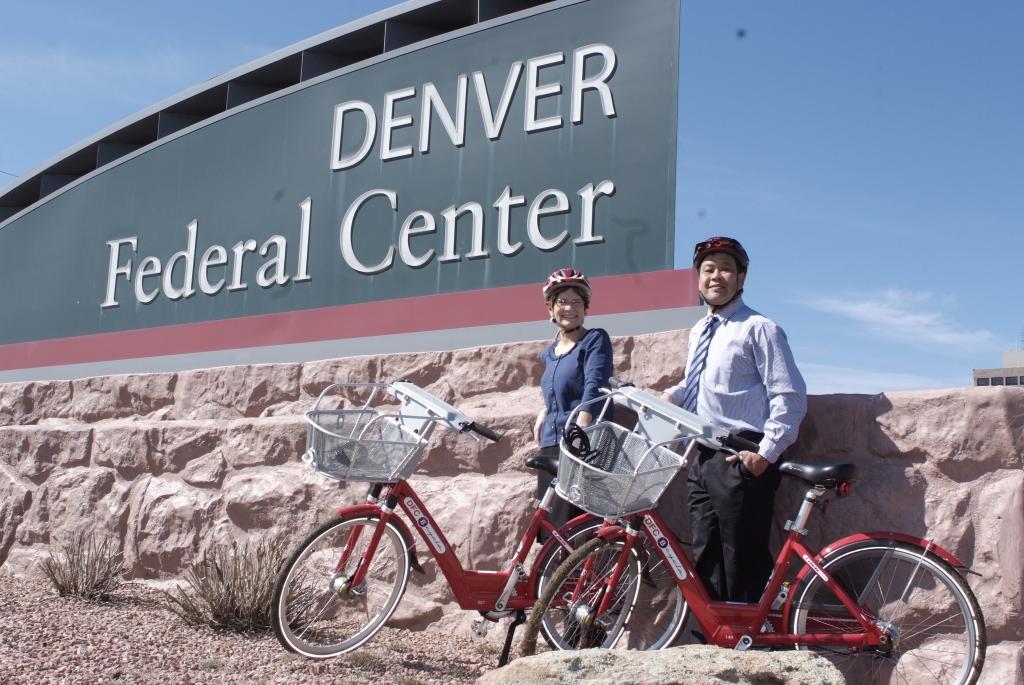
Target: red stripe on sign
{"x": 513, "y": 304}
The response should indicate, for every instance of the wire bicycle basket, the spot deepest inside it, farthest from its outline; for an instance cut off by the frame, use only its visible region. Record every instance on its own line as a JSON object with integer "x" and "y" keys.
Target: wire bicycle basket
{"x": 625, "y": 471}
{"x": 372, "y": 443}
{"x": 360, "y": 445}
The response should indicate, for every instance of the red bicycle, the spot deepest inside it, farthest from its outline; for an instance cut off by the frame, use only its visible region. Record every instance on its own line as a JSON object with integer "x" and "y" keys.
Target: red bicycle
{"x": 884, "y": 606}
{"x": 346, "y": 579}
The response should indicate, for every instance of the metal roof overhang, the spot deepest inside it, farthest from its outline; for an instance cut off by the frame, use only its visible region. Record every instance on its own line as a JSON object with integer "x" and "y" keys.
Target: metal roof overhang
{"x": 343, "y": 47}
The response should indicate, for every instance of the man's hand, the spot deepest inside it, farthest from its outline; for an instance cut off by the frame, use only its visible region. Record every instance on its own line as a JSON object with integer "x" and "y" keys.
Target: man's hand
{"x": 753, "y": 461}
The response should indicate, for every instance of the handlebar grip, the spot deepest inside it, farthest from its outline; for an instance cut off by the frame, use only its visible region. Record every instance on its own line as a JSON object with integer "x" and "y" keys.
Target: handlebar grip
{"x": 484, "y": 431}
{"x": 614, "y": 383}
{"x": 740, "y": 444}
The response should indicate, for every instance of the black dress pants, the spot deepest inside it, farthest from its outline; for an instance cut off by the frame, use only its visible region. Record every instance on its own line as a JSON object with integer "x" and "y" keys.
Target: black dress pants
{"x": 731, "y": 517}
{"x": 561, "y": 510}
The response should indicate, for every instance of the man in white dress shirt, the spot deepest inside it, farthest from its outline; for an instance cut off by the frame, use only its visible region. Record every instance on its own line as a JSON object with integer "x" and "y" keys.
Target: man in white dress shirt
{"x": 740, "y": 376}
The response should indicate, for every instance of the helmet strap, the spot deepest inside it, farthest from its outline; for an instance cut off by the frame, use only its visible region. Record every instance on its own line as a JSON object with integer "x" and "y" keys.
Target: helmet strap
{"x": 731, "y": 300}
{"x": 562, "y": 335}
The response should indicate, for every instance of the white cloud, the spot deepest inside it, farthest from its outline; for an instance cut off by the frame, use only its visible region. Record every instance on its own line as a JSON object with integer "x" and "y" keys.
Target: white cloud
{"x": 823, "y": 379}
{"x": 908, "y": 317}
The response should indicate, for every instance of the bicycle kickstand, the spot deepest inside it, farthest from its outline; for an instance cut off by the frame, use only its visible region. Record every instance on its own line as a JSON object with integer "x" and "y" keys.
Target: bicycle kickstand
{"x": 519, "y": 620}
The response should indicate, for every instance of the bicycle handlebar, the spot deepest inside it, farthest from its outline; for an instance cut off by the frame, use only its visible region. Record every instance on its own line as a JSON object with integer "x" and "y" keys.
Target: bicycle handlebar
{"x": 735, "y": 442}
{"x": 480, "y": 429}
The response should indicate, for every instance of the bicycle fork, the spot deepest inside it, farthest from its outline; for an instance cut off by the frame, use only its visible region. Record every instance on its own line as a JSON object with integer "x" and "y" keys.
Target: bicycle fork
{"x": 342, "y": 584}
{"x": 584, "y": 610}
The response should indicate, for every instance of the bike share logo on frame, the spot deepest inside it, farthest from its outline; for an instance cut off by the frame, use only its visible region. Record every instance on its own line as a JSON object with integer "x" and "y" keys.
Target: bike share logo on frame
{"x": 424, "y": 523}
{"x": 814, "y": 567}
{"x": 662, "y": 542}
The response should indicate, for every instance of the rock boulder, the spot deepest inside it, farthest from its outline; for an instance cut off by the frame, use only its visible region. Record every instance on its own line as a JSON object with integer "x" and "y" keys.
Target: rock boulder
{"x": 675, "y": 666}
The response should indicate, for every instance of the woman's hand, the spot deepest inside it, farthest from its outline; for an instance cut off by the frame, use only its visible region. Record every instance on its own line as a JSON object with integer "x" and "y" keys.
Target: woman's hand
{"x": 584, "y": 419}
{"x": 538, "y": 423}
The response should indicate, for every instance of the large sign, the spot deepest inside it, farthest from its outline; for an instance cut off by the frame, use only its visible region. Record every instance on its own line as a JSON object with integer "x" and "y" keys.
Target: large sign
{"x": 486, "y": 159}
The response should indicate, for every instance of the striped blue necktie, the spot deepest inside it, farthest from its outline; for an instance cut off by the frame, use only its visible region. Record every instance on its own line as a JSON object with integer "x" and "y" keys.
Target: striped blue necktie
{"x": 697, "y": 364}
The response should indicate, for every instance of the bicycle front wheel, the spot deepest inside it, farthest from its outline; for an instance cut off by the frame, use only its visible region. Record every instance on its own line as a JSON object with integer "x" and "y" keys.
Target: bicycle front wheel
{"x": 549, "y": 562}
{"x": 935, "y": 627}
{"x": 316, "y": 611}
{"x": 646, "y": 610}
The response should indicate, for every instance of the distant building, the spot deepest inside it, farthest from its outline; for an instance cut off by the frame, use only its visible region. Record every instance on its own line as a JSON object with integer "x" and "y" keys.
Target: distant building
{"x": 1012, "y": 372}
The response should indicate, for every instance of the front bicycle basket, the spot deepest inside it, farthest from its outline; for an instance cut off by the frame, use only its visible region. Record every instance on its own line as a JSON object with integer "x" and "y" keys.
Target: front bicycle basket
{"x": 361, "y": 445}
{"x": 623, "y": 472}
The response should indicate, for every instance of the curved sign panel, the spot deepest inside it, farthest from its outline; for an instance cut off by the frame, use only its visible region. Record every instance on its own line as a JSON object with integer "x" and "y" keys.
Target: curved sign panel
{"x": 483, "y": 160}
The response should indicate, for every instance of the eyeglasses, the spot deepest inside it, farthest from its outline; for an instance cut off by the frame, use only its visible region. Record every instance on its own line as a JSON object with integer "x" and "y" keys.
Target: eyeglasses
{"x": 568, "y": 304}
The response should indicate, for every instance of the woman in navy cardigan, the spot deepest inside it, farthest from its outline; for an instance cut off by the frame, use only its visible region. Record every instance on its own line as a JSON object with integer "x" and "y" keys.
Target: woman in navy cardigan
{"x": 576, "y": 365}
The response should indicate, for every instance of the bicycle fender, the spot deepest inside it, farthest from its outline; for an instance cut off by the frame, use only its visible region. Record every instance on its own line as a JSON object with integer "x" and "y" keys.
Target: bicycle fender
{"x": 878, "y": 535}
{"x": 400, "y": 524}
{"x": 900, "y": 537}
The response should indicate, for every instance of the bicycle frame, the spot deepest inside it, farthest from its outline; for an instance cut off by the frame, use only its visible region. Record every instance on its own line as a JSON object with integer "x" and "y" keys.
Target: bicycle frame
{"x": 727, "y": 623}
{"x": 508, "y": 589}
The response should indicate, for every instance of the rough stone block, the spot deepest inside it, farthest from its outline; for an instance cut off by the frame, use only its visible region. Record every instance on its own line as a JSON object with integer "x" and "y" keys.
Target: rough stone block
{"x": 35, "y": 451}
{"x": 110, "y": 397}
{"x": 123, "y": 446}
{"x": 173, "y": 444}
{"x": 166, "y": 523}
{"x": 15, "y": 500}
{"x": 206, "y": 472}
{"x": 76, "y": 500}
{"x": 31, "y": 402}
{"x": 264, "y": 442}
{"x": 231, "y": 392}
{"x": 942, "y": 427}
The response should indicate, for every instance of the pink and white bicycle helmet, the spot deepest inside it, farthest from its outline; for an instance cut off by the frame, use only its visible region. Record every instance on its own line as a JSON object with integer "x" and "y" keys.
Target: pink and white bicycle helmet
{"x": 567, "y": 278}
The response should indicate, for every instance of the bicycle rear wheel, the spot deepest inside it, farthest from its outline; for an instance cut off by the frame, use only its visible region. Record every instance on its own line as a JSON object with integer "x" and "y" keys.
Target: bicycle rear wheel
{"x": 315, "y": 611}
{"x": 936, "y": 627}
{"x": 647, "y": 610}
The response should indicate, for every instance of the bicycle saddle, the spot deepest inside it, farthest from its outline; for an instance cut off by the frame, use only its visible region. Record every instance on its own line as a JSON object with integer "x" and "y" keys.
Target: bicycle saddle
{"x": 542, "y": 463}
{"x": 827, "y": 475}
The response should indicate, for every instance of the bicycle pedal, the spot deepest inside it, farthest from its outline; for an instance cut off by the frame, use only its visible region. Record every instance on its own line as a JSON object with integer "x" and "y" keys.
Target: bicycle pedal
{"x": 480, "y": 627}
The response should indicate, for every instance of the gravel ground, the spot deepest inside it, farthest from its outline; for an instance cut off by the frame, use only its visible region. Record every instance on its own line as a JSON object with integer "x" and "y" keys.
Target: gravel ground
{"x": 134, "y": 639}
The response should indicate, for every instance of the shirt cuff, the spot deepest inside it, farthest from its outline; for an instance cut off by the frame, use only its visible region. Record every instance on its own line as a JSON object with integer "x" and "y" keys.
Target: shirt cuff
{"x": 769, "y": 450}
{"x": 675, "y": 393}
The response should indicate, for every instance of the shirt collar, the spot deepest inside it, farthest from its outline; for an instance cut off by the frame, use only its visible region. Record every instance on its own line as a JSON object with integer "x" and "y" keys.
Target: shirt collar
{"x": 727, "y": 312}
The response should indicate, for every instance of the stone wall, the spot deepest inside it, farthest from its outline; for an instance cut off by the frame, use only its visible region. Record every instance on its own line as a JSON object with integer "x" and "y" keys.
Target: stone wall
{"x": 170, "y": 464}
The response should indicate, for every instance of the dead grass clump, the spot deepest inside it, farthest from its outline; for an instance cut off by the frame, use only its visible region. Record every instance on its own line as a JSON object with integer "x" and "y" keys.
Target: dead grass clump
{"x": 85, "y": 567}
{"x": 231, "y": 586}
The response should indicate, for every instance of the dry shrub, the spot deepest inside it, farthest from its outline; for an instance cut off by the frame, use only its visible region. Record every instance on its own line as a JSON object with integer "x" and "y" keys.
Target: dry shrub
{"x": 85, "y": 567}
{"x": 231, "y": 586}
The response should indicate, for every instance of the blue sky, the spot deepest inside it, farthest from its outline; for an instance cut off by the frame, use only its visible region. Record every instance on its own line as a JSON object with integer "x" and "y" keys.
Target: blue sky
{"x": 869, "y": 155}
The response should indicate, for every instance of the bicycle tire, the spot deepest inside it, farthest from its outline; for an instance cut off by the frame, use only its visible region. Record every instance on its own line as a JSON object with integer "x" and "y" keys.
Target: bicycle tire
{"x": 937, "y": 626}
{"x": 652, "y": 623}
{"x": 313, "y": 613}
